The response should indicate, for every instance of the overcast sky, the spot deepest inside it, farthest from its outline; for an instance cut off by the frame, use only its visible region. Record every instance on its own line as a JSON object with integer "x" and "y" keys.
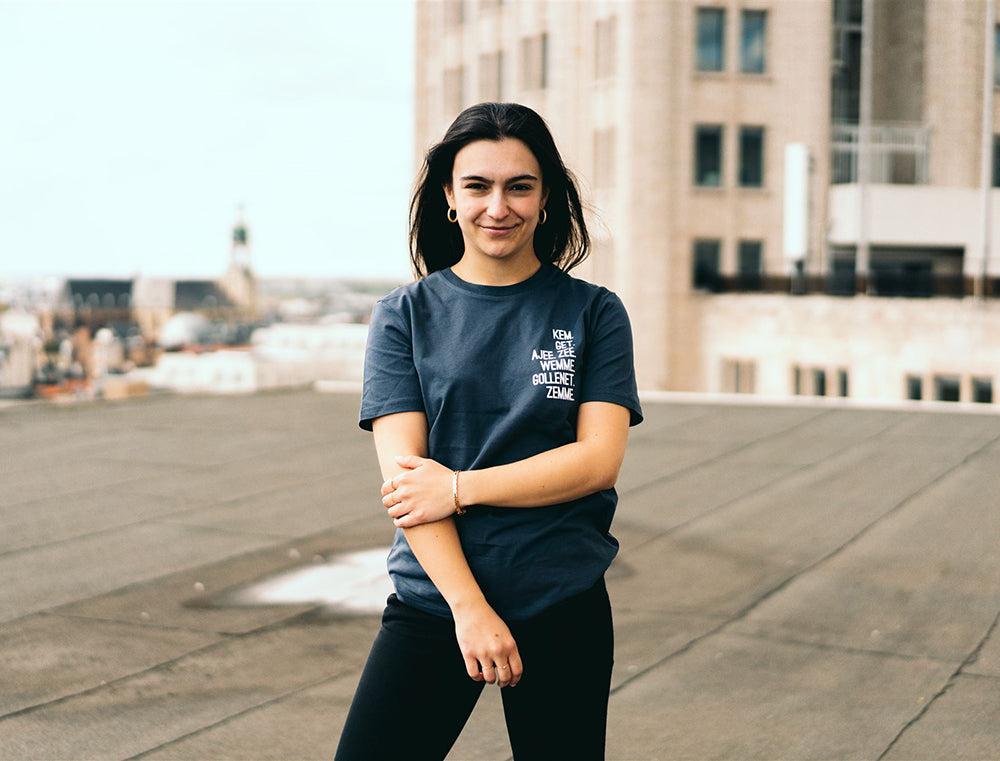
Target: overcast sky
{"x": 130, "y": 133}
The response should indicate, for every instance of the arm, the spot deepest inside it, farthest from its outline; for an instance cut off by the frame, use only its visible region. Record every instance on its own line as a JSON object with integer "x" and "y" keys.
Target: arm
{"x": 423, "y": 492}
{"x": 483, "y": 637}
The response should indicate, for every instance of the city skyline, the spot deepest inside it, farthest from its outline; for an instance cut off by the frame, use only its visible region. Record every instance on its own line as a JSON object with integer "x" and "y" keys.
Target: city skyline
{"x": 136, "y": 131}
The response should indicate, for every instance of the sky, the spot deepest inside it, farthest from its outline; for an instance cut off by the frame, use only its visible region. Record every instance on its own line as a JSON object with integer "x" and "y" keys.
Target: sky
{"x": 132, "y": 132}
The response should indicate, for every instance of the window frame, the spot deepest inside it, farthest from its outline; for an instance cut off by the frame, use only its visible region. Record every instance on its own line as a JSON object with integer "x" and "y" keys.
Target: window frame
{"x": 716, "y": 37}
{"x": 745, "y": 132}
{"x": 745, "y": 15}
{"x": 701, "y": 172}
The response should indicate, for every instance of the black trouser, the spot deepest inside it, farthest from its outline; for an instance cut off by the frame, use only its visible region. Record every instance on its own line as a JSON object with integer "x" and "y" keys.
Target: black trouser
{"x": 415, "y": 695}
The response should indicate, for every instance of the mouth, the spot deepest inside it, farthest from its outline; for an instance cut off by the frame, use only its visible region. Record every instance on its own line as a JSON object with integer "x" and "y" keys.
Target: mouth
{"x": 496, "y": 231}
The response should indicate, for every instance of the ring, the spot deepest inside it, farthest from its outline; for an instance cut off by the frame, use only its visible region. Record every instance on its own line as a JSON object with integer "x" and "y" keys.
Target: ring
{"x": 503, "y": 667}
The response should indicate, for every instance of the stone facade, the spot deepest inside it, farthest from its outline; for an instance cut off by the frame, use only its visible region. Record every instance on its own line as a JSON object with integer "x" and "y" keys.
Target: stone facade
{"x": 635, "y": 91}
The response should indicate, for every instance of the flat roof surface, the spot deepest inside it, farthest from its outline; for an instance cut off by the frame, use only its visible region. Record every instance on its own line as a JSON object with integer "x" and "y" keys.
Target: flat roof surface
{"x": 795, "y": 582}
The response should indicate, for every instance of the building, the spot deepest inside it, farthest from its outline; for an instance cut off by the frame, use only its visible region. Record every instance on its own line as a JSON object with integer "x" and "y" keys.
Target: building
{"x": 792, "y": 196}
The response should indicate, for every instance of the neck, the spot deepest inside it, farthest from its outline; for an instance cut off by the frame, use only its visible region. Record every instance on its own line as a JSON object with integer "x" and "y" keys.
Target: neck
{"x": 493, "y": 272}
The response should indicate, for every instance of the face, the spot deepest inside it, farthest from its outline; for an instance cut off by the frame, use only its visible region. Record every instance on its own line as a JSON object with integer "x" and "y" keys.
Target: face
{"x": 496, "y": 189}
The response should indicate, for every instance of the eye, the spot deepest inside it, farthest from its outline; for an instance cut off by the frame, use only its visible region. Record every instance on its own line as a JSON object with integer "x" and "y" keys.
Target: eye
{"x": 475, "y": 186}
{"x": 522, "y": 188}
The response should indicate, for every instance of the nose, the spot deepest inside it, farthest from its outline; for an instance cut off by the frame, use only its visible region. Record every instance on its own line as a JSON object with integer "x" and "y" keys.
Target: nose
{"x": 497, "y": 208}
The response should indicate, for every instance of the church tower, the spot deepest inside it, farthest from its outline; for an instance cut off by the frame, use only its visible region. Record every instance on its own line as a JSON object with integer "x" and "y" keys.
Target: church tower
{"x": 238, "y": 281}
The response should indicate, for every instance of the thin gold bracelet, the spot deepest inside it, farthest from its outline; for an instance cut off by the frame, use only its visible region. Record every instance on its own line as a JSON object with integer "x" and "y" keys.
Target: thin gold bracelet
{"x": 459, "y": 510}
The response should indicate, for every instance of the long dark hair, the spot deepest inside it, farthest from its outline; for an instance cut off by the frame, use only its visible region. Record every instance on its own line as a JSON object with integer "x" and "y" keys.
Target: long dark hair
{"x": 436, "y": 243}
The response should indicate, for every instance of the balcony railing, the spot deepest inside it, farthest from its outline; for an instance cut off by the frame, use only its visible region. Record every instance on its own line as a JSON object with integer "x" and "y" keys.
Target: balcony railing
{"x": 899, "y": 152}
{"x": 887, "y": 284}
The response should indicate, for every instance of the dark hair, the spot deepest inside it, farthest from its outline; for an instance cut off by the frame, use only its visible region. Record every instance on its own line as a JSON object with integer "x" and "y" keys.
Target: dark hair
{"x": 436, "y": 243}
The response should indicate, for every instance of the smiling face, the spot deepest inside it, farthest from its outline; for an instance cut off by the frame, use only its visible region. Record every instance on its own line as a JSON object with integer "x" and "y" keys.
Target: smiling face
{"x": 496, "y": 190}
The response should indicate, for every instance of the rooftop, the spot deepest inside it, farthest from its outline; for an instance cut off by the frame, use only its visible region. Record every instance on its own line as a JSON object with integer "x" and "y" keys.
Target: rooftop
{"x": 795, "y": 581}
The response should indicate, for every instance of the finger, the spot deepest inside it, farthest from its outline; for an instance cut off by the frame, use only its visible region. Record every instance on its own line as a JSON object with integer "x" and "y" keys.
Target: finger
{"x": 472, "y": 669}
{"x": 409, "y": 461}
{"x": 503, "y": 674}
{"x": 489, "y": 673}
{"x": 390, "y": 499}
{"x": 388, "y": 487}
{"x": 516, "y": 668}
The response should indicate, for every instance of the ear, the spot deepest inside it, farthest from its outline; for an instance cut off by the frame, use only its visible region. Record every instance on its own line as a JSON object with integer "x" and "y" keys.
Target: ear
{"x": 449, "y": 194}
{"x": 545, "y": 195}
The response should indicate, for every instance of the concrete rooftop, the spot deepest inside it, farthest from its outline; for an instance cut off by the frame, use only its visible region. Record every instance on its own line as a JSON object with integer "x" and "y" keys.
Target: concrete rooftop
{"x": 795, "y": 582}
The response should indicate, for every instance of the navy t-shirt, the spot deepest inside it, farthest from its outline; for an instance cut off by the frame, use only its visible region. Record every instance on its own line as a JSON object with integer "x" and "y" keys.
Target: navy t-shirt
{"x": 500, "y": 372}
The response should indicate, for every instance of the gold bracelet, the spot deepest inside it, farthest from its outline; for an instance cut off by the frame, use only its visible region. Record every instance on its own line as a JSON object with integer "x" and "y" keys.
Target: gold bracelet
{"x": 459, "y": 510}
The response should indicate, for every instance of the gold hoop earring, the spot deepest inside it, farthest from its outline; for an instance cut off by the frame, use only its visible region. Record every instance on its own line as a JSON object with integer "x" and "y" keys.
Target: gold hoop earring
{"x": 449, "y": 215}
{"x": 542, "y": 216}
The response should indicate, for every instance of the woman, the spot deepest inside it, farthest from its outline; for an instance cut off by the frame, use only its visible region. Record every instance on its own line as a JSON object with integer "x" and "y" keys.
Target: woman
{"x": 500, "y": 391}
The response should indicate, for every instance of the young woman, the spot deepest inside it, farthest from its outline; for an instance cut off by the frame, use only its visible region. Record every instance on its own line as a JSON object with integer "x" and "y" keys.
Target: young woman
{"x": 500, "y": 391}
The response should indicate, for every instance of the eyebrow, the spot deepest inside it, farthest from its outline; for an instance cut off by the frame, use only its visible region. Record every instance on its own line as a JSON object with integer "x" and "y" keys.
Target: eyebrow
{"x": 518, "y": 178}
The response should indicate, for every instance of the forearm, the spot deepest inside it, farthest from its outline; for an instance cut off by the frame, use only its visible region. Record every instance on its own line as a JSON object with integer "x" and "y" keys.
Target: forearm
{"x": 436, "y": 544}
{"x": 439, "y": 551}
{"x": 587, "y": 465}
{"x": 558, "y": 475}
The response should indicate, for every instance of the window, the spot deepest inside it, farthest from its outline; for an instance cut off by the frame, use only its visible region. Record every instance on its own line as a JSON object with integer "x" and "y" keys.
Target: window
{"x": 996, "y": 161}
{"x": 606, "y": 48}
{"x": 947, "y": 388}
{"x": 705, "y": 270}
{"x": 490, "y": 76}
{"x": 751, "y": 157}
{"x": 708, "y": 155}
{"x": 843, "y": 380}
{"x": 534, "y": 62}
{"x": 797, "y": 380}
{"x": 996, "y": 56}
{"x": 914, "y": 387}
{"x": 454, "y": 12}
{"x": 739, "y": 376}
{"x": 454, "y": 97}
{"x": 710, "y": 43}
{"x": 604, "y": 158}
{"x": 749, "y": 261}
{"x": 982, "y": 390}
{"x": 753, "y": 40}
{"x": 819, "y": 381}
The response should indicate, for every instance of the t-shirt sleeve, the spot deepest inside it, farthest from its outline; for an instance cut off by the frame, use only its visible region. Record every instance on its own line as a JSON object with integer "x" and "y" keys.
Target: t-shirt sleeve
{"x": 390, "y": 383}
{"x": 609, "y": 370}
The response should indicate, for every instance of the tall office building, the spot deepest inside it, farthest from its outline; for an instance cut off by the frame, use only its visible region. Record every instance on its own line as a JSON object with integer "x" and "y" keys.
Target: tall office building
{"x": 788, "y": 194}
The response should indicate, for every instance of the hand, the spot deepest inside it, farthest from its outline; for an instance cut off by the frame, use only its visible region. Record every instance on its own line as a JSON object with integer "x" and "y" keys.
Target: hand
{"x": 487, "y": 646}
{"x": 422, "y": 493}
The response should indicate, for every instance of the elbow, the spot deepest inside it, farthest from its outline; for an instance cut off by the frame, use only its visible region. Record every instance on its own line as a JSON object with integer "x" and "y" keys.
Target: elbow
{"x": 605, "y": 478}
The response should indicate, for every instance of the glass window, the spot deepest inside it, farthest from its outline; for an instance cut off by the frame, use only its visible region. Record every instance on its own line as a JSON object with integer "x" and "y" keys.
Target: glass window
{"x": 454, "y": 97}
{"x": 996, "y": 161}
{"x": 947, "y": 388}
{"x": 708, "y": 155}
{"x": 604, "y": 158}
{"x": 914, "y": 387}
{"x": 534, "y": 62}
{"x": 843, "y": 383}
{"x": 996, "y": 55}
{"x": 710, "y": 45}
{"x": 753, "y": 38}
{"x": 797, "y": 380}
{"x": 749, "y": 261}
{"x": 982, "y": 390}
{"x": 606, "y": 32}
{"x": 751, "y": 157}
{"x": 819, "y": 382}
{"x": 705, "y": 274}
{"x": 490, "y": 76}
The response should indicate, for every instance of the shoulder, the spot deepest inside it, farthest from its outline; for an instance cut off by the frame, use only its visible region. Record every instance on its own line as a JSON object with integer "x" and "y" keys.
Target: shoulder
{"x": 402, "y": 299}
{"x": 597, "y": 298}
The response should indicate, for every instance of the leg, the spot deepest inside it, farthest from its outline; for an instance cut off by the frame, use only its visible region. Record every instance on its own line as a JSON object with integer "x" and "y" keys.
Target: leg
{"x": 559, "y": 710}
{"x": 414, "y": 696}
